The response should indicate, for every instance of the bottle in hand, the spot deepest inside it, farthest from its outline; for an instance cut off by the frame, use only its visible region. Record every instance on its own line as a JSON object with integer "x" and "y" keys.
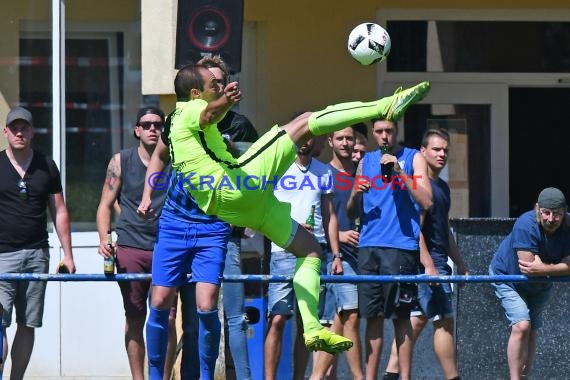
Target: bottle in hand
{"x": 311, "y": 218}
{"x": 356, "y": 228}
{"x": 109, "y": 262}
{"x": 386, "y": 168}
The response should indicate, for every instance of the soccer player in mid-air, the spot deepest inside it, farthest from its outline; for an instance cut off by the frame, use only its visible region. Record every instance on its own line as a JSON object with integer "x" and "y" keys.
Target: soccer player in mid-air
{"x": 240, "y": 191}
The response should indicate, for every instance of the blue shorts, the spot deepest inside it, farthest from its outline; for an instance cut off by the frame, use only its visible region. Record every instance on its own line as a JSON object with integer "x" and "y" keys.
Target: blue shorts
{"x": 340, "y": 296}
{"x": 521, "y": 306}
{"x": 280, "y": 295}
{"x": 181, "y": 247}
{"x": 435, "y": 301}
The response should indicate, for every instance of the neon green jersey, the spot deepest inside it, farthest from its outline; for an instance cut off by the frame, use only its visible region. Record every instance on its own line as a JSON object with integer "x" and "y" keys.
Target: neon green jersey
{"x": 199, "y": 154}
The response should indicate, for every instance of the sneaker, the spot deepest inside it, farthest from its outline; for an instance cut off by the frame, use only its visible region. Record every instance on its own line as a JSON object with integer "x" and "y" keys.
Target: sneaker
{"x": 402, "y": 99}
{"x": 324, "y": 340}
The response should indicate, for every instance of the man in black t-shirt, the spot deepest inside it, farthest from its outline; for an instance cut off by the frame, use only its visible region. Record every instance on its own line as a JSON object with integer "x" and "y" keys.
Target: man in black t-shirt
{"x": 29, "y": 183}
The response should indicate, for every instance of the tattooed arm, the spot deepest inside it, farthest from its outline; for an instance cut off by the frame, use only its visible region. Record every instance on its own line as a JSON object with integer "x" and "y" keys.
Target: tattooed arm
{"x": 109, "y": 195}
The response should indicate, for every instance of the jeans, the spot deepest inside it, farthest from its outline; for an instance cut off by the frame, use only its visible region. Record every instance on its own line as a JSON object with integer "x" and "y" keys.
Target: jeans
{"x": 233, "y": 299}
{"x": 190, "y": 364}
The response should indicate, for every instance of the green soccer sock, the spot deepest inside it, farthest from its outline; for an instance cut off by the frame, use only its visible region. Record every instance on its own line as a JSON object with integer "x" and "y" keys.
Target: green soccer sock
{"x": 339, "y": 116}
{"x": 307, "y": 283}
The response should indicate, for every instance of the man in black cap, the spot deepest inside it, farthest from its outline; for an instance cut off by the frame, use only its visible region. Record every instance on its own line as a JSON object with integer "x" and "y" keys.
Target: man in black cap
{"x": 539, "y": 245}
{"x": 29, "y": 183}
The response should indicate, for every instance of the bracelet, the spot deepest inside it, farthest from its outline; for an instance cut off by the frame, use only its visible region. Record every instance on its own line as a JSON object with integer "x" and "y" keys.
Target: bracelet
{"x": 337, "y": 255}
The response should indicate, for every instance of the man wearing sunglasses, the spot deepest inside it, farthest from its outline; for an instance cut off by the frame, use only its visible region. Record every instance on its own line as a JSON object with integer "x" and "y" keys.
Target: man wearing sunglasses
{"x": 539, "y": 245}
{"x": 29, "y": 183}
{"x": 124, "y": 183}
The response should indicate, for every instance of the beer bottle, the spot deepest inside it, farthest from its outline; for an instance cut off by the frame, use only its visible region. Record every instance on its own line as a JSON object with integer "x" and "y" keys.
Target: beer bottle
{"x": 109, "y": 262}
{"x": 311, "y": 218}
{"x": 386, "y": 168}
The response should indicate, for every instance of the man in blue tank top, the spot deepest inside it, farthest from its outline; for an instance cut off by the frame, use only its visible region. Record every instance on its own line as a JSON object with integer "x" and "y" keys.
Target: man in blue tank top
{"x": 539, "y": 245}
{"x": 436, "y": 247}
{"x": 389, "y": 241}
{"x": 124, "y": 183}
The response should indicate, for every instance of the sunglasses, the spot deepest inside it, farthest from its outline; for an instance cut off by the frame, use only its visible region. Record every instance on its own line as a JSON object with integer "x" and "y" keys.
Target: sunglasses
{"x": 23, "y": 190}
{"x": 147, "y": 124}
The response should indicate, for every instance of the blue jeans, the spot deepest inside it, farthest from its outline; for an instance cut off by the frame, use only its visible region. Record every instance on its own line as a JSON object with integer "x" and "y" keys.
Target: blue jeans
{"x": 190, "y": 364}
{"x": 233, "y": 299}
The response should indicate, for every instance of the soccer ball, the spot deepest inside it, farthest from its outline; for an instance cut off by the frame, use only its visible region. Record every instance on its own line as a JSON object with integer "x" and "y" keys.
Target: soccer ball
{"x": 369, "y": 43}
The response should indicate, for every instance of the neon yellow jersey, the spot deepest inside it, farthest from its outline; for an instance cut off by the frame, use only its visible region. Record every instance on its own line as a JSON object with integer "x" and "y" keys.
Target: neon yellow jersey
{"x": 200, "y": 155}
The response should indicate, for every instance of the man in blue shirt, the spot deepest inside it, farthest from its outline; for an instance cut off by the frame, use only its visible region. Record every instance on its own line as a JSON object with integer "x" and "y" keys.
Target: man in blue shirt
{"x": 539, "y": 245}
{"x": 437, "y": 245}
{"x": 391, "y": 204}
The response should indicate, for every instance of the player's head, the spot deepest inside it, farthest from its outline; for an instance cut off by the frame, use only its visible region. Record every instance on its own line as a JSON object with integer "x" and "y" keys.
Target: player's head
{"x": 19, "y": 129}
{"x": 384, "y": 132}
{"x": 218, "y": 67}
{"x": 196, "y": 82}
{"x": 551, "y": 209}
{"x": 435, "y": 147}
{"x": 342, "y": 143}
{"x": 149, "y": 125}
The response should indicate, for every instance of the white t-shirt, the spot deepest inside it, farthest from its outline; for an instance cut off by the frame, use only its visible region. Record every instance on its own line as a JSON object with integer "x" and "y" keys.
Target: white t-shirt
{"x": 303, "y": 187}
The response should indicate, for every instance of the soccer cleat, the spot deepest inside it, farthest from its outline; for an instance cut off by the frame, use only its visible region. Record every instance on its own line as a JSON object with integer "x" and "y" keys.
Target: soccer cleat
{"x": 402, "y": 99}
{"x": 324, "y": 340}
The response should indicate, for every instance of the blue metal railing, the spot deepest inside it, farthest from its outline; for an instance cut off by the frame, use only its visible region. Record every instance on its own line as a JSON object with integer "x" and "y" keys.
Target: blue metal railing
{"x": 272, "y": 278}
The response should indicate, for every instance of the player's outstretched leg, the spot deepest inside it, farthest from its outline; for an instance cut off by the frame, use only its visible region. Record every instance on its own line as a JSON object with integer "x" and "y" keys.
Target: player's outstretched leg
{"x": 306, "y": 283}
{"x": 392, "y": 108}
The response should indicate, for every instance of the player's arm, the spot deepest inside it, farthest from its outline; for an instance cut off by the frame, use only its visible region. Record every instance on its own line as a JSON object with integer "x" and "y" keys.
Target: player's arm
{"x": 157, "y": 163}
{"x": 535, "y": 266}
{"x": 217, "y": 109}
{"x": 418, "y": 185}
{"x": 355, "y": 200}
{"x": 109, "y": 194}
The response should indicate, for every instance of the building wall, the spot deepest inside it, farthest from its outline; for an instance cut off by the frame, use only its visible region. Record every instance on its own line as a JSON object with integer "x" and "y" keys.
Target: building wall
{"x": 301, "y": 61}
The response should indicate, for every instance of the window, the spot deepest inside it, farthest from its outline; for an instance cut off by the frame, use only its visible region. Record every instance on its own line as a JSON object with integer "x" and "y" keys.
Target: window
{"x": 479, "y": 46}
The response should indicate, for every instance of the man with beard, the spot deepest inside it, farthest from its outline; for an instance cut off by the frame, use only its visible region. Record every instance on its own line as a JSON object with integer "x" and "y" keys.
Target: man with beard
{"x": 539, "y": 245}
{"x": 306, "y": 184}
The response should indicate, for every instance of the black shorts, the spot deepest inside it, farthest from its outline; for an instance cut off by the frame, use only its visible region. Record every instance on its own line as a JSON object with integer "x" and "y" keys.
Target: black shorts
{"x": 377, "y": 299}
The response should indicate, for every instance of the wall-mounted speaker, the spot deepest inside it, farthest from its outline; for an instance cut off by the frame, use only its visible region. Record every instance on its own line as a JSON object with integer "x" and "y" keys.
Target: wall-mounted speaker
{"x": 209, "y": 27}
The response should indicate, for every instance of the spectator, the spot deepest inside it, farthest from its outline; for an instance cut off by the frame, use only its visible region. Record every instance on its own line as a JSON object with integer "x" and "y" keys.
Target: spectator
{"x": 343, "y": 295}
{"x": 29, "y": 183}
{"x": 538, "y": 245}
{"x": 360, "y": 142}
{"x": 124, "y": 183}
{"x": 389, "y": 241}
{"x": 436, "y": 246}
{"x": 306, "y": 184}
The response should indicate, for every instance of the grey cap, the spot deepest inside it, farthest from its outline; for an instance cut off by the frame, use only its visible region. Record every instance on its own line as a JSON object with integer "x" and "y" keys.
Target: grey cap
{"x": 551, "y": 198}
{"x": 19, "y": 113}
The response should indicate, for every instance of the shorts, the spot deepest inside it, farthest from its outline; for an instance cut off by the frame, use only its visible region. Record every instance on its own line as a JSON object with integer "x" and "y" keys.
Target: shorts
{"x": 280, "y": 295}
{"x": 521, "y": 306}
{"x": 135, "y": 293}
{"x": 254, "y": 205}
{"x": 181, "y": 248}
{"x": 340, "y": 296}
{"x": 386, "y": 299}
{"x": 27, "y": 296}
{"x": 435, "y": 301}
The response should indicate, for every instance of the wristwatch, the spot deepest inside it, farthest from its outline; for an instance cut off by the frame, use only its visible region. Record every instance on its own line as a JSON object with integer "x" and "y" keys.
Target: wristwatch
{"x": 337, "y": 255}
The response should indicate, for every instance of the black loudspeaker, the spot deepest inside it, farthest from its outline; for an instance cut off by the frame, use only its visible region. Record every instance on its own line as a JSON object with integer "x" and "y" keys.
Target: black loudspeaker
{"x": 209, "y": 27}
